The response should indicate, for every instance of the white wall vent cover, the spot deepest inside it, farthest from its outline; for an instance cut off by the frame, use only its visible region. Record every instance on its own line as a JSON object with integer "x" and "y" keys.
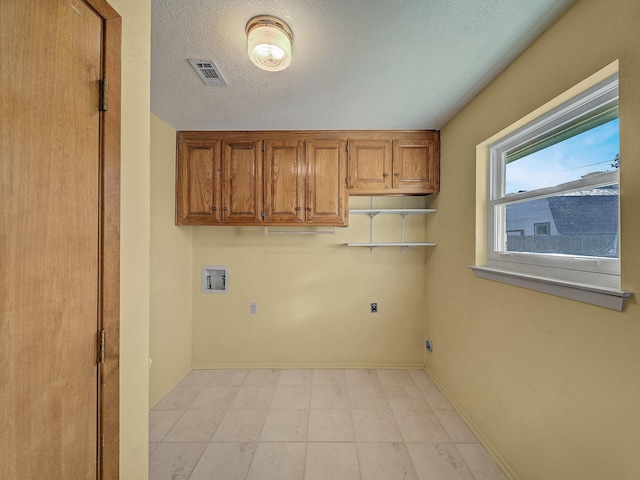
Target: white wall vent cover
{"x": 208, "y": 72}
{"x": 215, "y": 279}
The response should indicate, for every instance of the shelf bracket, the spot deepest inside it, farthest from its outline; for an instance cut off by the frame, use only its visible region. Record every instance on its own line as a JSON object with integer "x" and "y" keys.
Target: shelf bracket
{"x": 371, "y": 216}
{"x": 404, "y": 216}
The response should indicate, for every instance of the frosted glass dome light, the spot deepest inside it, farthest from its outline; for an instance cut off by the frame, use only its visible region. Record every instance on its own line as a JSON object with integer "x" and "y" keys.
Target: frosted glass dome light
{"x": 269, "y": 42}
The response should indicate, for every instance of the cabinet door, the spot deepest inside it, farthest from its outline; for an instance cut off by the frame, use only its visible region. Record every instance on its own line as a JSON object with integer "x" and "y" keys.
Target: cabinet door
{"x": 242, "y": 181}
{"x": 369, "y": 166}
{"x": 198, "y": 183}
{"x": 326, "y": 183}
{"x": 284, "y": 174}
{"x": 416, "y": 165}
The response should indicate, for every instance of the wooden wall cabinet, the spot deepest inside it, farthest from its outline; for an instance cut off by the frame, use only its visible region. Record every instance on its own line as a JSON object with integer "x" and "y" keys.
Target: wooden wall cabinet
{"x": 260, "y": 178}
{"x": 242, "y": 182}
{"x": 399, "y": 166}
{"x": 326, "y": 183}
{"x": 297, "y": 177}
{"x": 305, "y": 185}
{"x": 198, "y": 183}
{"x": 416, "y": 166}
{"x": 284, "y": 181}
{"x": 370, "y": 166}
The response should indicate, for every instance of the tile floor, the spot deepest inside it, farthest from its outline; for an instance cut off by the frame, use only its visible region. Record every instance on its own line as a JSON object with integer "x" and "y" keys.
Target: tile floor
{"x": 312, "y": 425}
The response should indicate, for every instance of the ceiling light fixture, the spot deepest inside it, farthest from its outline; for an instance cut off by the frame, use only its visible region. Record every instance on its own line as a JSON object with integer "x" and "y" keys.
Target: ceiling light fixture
{"x": 269, "y": 42}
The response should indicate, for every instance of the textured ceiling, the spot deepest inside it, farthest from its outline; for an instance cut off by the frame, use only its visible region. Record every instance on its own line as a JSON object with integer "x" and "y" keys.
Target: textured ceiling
{"x": 357, "y": 64}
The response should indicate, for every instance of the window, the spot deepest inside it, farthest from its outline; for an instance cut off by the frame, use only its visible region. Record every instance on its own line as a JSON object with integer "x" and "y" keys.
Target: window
{"x": 553, "y": 193}
{"x": 547, "y": 197}
{"x": 542, "y": 228}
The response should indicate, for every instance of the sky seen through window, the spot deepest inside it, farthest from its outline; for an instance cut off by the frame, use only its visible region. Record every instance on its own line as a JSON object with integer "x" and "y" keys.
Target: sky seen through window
{"x": 589, "y": 152}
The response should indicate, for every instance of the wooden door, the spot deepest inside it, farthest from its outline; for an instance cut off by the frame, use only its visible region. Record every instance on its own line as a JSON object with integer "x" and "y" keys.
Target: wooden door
{"x": 242, "y": 186}
{"x": 369, "y": 166}
{"x": 326, "y": 183}
{"x": 58, "y": 238}
{"x": 198, "y": 183}
{"x": 284, "y": 174}
{"x": 415, "y": 168}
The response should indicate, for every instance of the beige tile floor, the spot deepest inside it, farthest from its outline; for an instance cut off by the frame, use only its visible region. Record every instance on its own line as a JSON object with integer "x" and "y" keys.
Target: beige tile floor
{"x": 312, "y": 425}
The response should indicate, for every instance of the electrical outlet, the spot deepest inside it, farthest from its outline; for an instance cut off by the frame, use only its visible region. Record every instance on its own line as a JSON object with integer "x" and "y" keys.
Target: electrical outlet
{"x": 374, "y": 308}
{"x": 253, "y": 308}
{"x": 429, "y": 345}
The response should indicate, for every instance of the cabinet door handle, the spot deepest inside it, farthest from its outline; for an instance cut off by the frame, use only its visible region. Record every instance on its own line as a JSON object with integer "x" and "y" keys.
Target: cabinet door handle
{"x": 215, "y": 208}
{"x": 385, "y": 175}
{"x": 397, "y": 174}
{"x": 297, "y": 209}
{"x": 308, "y": 209}
{"x": 225, "y": 209}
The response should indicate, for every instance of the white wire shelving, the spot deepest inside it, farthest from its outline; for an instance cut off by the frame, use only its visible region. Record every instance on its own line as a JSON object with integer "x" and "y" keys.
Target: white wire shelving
{"x": 373, "y": 212}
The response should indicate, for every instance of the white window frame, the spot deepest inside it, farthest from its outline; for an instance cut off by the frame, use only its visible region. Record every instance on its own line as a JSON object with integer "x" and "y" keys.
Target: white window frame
{"x": 585, "y": 279}
{"x": 599, "y": 271}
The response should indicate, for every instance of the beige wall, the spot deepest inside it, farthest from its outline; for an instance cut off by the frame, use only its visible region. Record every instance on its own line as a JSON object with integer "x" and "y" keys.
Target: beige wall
{"x": 134, "y": 238}
{"x": 550, "y": 384}
{"x": 170, "y": 283}
{"x": 313, "y": 295}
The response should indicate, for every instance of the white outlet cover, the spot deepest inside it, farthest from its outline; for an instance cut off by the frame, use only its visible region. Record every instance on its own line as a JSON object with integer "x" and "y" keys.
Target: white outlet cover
{"x": 214, "y": 279}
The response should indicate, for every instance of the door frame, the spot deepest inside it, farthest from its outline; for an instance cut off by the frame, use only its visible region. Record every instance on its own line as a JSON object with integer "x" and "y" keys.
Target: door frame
{"x": 108, "y": 444}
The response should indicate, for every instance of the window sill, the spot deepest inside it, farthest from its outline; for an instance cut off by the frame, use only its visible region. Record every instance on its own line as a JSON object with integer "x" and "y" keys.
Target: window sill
{"x": 602, "y": 296}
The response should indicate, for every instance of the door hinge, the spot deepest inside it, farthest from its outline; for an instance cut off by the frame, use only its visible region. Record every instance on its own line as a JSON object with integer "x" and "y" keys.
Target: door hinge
{"x": 263, "y": 146}
{"x": 346, "y": 147}
{"x": 101, "y": 346}
{"x": 104, "y": 95}
{"x": 262, "y": 214}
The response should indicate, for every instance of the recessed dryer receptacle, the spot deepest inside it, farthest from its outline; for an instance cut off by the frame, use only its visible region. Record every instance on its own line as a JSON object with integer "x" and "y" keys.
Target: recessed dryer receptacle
{"x": 214, "y": 279}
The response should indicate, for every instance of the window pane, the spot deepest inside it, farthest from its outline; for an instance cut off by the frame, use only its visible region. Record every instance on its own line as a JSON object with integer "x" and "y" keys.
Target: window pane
{"x": 591, "y": 152}
{"x": 581, "y": 223}
{"x": 542, "y": 228}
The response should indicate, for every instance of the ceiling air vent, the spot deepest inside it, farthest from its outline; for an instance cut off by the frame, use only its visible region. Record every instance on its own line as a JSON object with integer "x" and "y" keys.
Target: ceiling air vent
{"x": 208, "y": 72}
